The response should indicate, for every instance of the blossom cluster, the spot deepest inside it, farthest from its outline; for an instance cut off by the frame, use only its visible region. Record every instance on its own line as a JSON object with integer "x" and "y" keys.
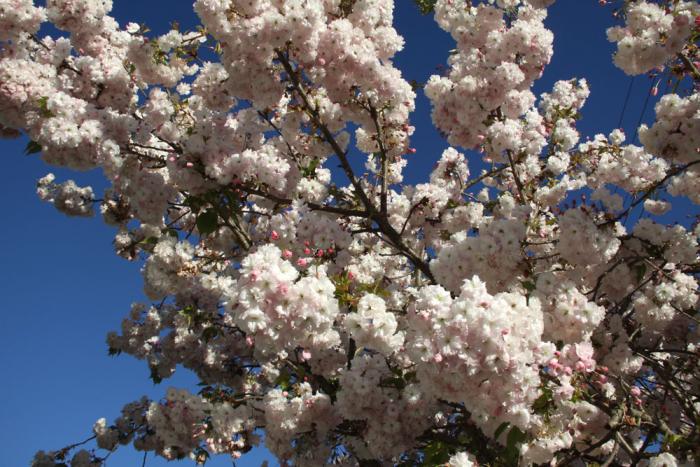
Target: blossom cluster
{"x": 67, "y": 197}
{"x": 652, "y": 34}
{"x": 528, "y": 305}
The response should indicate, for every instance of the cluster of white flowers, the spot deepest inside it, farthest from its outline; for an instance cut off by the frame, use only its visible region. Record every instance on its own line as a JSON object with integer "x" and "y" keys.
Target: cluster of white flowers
{"x": 675, "y": 135}
{"x": 582, "y": 242}
{"x": 679, "y": 245}
{"x": 493, "y": 255}
{"x": 652, "y": 34}
{"x": 73, "y": 14}
{"x": 358, "y": 318}
{"x": 67, "y": 197}
{"x": 629, "y": 167}
{"x": 372, "y": 326}
{"x": 451, "y": 172}
{"x": 177, "y": 421}
{"x": 462, "y": 459}
{"x": 657, "y": 307}
{"x": 342, "y": 52}
{"x": 663, "y": 460}
{"x": 560, "y": 107}
{"x": 494, "y": 68}
{"x": 479, "y": 349}
{"x": 281, "y": 311}
{"x": 613, "y": 344}
{"x": 184, "y": 420}
{"x": 304, "y": 418}
{"x": 368, "y": 265}
{"x": 19, "y": 16}
{"x": 573, "y": 423}
{"x": 394, "y": 417}
{"x": 568, "y": 315}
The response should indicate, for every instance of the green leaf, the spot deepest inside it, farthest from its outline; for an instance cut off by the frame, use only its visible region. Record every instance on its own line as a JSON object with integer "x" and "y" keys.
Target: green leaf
{"x": 207, "y": 222}
{"x": 529, "y": 286}
{"x": 501, "y": 428}
{"x": 426, "y": 6}
{"x": 544, "y": 404}
{"x": 190, "y": 314}
{"x": 436, "y": 453}
{"x": 44, "y": 107}
{"x": 32, "y": 148}
{"x": 513, "y": 442}
{"x": 150, "y": 241}
{"x": 310, "y": 170}
{"x": 394, "y": 382}
{"x": 283, "y": 381}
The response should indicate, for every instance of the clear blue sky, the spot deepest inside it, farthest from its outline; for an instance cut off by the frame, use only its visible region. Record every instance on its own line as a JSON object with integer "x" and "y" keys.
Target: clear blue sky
{"x": 63, "y": 288}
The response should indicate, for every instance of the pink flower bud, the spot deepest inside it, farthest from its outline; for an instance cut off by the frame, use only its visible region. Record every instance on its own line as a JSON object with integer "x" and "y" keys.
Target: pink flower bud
{"x": 319, "y": 253}
{"x": 321, "y": 61}
{"x": 307, "y": 251}
{"x": 274, "y": 235}
{"x": 437, "y": 358}
{"x": 635, "y": 391}
{"x": 286, "y": 254}
{"x": 301, "y": 262}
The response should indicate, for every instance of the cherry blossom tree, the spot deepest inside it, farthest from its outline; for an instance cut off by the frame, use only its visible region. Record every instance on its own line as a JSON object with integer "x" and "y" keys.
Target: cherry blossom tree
{"x": 518, "y": 315}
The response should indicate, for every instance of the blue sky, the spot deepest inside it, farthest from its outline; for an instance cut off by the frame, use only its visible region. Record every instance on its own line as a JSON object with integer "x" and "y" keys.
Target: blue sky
{"x": 64, "y": 288}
